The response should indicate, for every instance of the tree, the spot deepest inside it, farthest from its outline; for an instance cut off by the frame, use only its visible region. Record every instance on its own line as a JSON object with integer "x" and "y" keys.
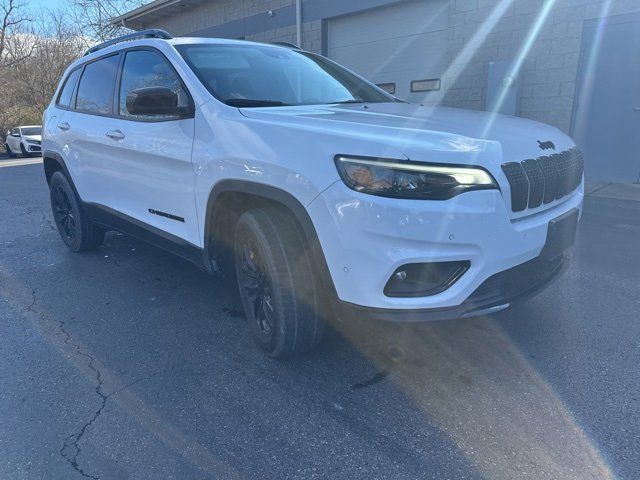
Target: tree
{"x": 35, "y": 59}
{"x": 58, "y": 44}
{"x": 14, "y": 23}
{"x": 94, "y": 16}
{"x": 35, "y": 50}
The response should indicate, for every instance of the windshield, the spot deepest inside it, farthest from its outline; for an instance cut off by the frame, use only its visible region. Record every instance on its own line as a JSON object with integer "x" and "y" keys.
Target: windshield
{"x": 31, "y": 130}
{"x": 258, "y": 76}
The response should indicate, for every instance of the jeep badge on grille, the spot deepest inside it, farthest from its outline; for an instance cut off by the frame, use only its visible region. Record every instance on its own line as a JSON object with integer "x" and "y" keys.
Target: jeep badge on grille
{"x": 546, "y": 145}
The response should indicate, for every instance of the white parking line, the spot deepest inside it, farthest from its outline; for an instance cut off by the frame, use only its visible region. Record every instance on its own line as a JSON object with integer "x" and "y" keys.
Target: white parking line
{"x": 19, "y": 163}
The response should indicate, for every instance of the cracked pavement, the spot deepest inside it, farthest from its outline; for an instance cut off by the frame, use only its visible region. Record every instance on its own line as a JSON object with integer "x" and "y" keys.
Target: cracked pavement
{"x": 129, "y": 363}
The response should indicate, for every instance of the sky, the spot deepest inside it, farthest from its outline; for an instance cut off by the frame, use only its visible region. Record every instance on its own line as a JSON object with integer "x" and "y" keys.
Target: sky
{"x": 46, "y": 3}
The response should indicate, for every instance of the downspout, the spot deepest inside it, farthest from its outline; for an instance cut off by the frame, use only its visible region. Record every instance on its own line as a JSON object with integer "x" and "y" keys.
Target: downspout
{"x": 299, "y": 23}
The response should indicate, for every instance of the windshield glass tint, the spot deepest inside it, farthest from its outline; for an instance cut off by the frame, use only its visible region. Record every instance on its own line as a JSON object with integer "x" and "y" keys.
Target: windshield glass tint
{"x": 31, "y": 131}
{"x": 255, "y": 75}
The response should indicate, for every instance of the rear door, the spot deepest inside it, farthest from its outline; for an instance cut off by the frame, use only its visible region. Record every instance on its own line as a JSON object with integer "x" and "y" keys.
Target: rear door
{"x": 56, "y": 129}
{"x": 82, "y": 127}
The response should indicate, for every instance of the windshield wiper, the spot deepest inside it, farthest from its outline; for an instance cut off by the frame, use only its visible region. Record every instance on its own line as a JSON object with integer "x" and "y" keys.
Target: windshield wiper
{"x": 248, "y": 102}
{"x": 353, "y": 100}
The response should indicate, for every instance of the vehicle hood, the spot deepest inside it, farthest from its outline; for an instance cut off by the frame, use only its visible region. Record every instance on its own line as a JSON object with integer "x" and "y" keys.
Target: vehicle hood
{"x": 33, "y": 138}
{"x": 417, "y": 130}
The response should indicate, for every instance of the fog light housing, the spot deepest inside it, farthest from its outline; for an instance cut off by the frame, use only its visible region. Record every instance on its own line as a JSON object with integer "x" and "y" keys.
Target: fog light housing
{"x": 424, "y": 279}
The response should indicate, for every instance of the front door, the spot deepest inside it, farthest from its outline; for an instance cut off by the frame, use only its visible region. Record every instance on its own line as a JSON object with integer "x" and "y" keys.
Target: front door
{"x": 606, "y": 122}
{"x": 140, "y": 165}
{"x": 154, "y": 151}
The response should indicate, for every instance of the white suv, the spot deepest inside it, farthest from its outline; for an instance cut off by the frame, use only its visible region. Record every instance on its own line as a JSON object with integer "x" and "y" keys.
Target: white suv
{"x": 317, "y": 190}
{"x": 24, "y": 140}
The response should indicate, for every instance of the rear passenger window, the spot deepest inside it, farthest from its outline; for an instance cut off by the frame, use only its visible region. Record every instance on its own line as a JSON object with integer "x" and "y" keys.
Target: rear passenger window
{"x": 95, "y": 92}
{"x": 145, "y": 68}
{"x": 64, "y": 100}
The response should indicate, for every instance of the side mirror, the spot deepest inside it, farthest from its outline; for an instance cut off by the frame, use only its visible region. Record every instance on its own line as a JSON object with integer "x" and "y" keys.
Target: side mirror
{"x": 161, "y": 101}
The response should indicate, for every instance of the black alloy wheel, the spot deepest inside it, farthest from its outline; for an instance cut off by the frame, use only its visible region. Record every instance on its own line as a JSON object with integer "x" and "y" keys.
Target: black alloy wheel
{"x": 276, "y": 282}
{"x": 257, "y": 288}
{"x": 63, "y": 214}
{"x": 75, "y": 229}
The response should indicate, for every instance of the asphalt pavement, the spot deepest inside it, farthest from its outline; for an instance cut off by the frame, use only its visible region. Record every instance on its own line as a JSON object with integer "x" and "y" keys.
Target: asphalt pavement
{"x": 129, "y": 363}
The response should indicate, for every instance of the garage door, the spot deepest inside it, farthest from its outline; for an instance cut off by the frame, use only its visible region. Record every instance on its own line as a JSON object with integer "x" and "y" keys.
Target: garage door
{"x": 400, "y": 47}
{"x": 607, "y": 104}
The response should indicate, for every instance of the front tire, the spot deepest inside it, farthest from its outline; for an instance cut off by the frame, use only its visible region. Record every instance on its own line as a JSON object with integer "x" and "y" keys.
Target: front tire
{"x": 24, "y": 152}
{"x": 75, "y": 229}
{"x": 277, "y": 287}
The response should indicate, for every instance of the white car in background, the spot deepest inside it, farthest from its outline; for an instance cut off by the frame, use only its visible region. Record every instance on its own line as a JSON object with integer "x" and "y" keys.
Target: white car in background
{"x": 24, "y": 140}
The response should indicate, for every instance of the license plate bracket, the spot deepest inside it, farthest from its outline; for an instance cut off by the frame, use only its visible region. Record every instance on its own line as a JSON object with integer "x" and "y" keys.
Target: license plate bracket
{"x": 561, "y": 234}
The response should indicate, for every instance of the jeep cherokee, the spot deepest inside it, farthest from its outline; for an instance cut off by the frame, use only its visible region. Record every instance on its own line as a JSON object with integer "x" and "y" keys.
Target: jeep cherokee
{"x": 317, "y": 190}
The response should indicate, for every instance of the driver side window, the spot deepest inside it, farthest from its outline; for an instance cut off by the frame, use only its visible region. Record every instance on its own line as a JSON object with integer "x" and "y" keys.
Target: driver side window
{"x": 145, "y": 68}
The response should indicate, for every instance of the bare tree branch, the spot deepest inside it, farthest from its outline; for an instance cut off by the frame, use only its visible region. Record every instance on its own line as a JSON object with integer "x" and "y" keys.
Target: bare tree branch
{"x": 13, "y": 19}
{"x": 33, "y": 62}
{"x": 94, "y": 16}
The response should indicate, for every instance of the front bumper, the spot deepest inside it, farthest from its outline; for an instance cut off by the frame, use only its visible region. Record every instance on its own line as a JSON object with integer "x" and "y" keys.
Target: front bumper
{"x": 495, "y": 294}
{"x": 365, "y": 239}
{"x": 33, "y": 148}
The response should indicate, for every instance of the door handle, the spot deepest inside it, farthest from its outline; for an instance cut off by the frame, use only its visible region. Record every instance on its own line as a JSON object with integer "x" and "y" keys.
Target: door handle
{"x": 115, "y": 134}
{"x": 64, "y": 126}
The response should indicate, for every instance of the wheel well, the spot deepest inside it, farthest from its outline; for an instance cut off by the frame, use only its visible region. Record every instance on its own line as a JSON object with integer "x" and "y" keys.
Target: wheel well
{"x": 51, "y": 166}
{"x": 221, "y": 222}
{"x": 231, "y": 200}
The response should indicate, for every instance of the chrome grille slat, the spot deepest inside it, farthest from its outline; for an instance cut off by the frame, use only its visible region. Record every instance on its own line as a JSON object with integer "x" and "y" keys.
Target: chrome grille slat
{"x": 542, "y": 180}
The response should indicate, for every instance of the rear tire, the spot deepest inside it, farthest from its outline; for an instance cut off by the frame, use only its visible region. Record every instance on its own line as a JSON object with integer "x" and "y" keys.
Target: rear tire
{"x": 75, "y": 229}
{"x": 276, "y": 282}
{"x": 10, "y": 152}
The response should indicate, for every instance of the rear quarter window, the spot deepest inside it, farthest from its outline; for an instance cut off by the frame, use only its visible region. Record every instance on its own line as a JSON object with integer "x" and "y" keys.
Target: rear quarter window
{"x": 66, "y": 94}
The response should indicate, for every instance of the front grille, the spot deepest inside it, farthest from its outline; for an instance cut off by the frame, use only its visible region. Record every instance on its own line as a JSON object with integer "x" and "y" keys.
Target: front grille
{"x": 544, "y": 179}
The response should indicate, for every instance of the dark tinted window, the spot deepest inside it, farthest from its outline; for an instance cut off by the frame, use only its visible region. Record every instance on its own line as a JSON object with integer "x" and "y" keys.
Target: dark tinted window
{"x": 64, "y": 100}
{"x": 95, "y": 93}
{"x": 145, "y": 68}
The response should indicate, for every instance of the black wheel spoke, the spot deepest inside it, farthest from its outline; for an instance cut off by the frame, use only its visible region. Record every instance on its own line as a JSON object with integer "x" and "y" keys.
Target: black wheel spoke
{"x": 267, "y": 310}
{"x": 64, "y": 212}
{"x": 60, "y": 198}
{"x": 257, "y": 304}
{"x": 255, "y": 288}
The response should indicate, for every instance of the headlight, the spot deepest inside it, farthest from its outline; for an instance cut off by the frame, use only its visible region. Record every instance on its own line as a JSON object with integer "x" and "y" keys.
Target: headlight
{"x": 405, "y": 179}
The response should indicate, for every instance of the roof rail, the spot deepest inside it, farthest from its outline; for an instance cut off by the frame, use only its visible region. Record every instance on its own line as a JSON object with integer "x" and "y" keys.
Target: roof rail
{"x": 286, "y": 44}
{"x": 151, "y": 33}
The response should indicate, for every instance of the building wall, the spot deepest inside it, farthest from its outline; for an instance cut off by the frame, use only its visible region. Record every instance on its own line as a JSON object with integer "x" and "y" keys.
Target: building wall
{"x": 480, "y": 31}
{"x": 549, "y": 69}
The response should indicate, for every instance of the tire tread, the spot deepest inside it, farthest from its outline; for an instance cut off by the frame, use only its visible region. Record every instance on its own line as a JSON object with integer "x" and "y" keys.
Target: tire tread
{"x": 303, "y": 324}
